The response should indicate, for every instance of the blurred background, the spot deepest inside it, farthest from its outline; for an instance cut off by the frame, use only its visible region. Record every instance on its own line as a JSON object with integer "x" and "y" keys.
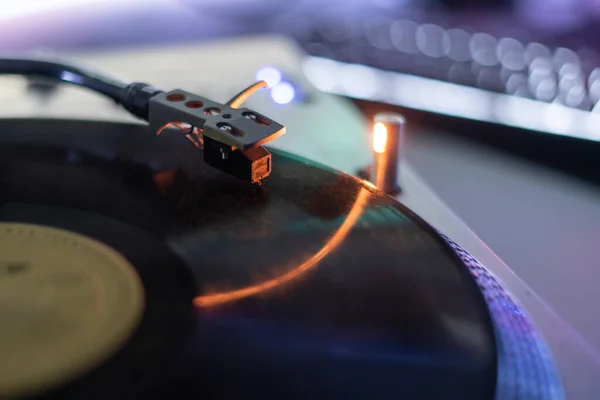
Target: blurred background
{"x": 525, "y": 64}
{"x": 502, "y": 99}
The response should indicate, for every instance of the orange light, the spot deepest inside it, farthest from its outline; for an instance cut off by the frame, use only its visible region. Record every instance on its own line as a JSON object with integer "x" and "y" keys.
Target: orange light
{"x": 334, "y": 241}
{"x": 369, "y": 183}
{"x": 379, "y": 137}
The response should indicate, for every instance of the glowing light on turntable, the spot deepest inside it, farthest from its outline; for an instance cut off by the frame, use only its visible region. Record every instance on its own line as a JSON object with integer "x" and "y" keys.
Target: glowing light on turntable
{"x": 283, "y": 93}
{"x": 379, "y": 137}
{"x": 369, "y": 183}
{"x": 271, "y": 75}
{"x": 335, "y": 240}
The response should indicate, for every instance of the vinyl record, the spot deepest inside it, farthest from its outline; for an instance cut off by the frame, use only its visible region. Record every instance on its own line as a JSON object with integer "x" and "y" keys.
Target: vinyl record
{"x": 310, "y": 285}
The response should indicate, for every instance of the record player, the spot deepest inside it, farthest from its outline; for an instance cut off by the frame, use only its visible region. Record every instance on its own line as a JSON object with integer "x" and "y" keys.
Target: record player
{"x": 182, "y": 258}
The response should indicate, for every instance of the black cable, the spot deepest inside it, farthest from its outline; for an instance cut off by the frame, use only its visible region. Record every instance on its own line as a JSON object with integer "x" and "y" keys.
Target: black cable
{"x": 133, "y": 96}
{"x": 67, "y": 73}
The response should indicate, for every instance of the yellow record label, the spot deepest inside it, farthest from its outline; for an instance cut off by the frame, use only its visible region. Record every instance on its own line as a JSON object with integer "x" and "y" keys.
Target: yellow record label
{"x": 67, "y": 303}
